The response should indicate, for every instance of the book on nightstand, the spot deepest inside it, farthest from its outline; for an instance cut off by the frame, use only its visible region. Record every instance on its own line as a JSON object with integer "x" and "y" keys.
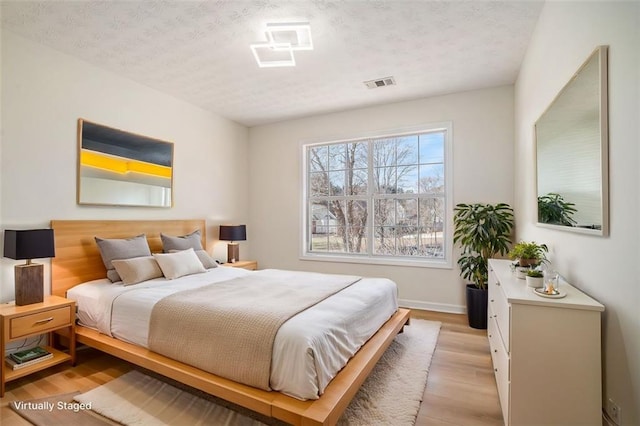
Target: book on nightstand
{"x": 29, "y": 354}
{"x": 18, "y": 365}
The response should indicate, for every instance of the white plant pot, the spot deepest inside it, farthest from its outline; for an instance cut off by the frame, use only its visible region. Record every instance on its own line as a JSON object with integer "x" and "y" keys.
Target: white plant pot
{"x": 535, "y": 282}
{"x": 521, "y": 272}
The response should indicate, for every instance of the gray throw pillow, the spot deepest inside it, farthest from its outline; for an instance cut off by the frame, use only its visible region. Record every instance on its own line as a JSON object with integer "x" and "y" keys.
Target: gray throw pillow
{"x": 182, "y": 242}
{"x": 207, "y": 261}
{"x": 117, "y": 248}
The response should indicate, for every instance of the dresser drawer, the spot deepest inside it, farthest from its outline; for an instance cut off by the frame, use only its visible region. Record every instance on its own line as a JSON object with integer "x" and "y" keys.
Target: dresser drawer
{"x": 501, "y": 365}
{"x": 499, "y": 354}
{"x": 40, "y": 322}
{"x": 500, "y": 309}
{"x": 492, "y": 332}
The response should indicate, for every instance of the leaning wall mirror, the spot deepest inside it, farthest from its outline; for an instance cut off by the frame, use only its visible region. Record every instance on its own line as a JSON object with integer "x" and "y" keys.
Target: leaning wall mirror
{"x": 572, "y": 153}
{"x": 123, "y": 169}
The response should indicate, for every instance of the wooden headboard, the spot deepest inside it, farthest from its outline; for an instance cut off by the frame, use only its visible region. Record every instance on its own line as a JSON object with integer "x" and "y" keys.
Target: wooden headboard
{"x": 77, "y": 257}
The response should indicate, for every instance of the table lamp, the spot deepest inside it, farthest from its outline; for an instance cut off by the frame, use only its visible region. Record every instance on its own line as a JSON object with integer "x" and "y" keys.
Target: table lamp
{"x": 233, "y": 233}
{"x": 29, "y": 244}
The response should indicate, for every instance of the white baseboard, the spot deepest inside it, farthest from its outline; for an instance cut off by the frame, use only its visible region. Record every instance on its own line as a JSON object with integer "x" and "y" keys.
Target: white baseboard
{"x": 428, "y": 306}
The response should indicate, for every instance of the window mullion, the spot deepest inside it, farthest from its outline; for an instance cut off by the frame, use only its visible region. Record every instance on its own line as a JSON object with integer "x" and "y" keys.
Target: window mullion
{"x": 370, "y": 199}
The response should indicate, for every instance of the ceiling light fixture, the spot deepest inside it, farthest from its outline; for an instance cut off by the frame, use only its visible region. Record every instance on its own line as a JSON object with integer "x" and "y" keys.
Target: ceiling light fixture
{"x": 297, "y": 34}
{"x": 273, "y": 54}
{"x": 282, "y": 40}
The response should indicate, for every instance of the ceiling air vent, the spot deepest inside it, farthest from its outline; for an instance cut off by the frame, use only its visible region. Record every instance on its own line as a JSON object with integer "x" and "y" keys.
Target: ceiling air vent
{"x": 380, "y": 82}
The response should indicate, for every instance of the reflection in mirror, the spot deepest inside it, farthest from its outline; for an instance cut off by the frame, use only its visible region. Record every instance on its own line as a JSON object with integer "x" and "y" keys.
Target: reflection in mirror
{"x": 571, "y": 153}
{"x": 121, "y": 168}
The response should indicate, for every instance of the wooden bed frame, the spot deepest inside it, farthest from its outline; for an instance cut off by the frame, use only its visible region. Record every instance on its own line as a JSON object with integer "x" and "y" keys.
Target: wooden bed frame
{"x": 78, "y": 260}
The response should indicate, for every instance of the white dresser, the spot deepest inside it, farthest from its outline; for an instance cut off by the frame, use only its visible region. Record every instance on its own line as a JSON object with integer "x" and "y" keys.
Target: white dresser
{"x": 546, "y": 352}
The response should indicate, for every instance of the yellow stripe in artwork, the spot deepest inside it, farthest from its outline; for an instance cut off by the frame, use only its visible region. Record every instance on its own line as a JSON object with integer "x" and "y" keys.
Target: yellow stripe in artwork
{"x": 122, "y": 165}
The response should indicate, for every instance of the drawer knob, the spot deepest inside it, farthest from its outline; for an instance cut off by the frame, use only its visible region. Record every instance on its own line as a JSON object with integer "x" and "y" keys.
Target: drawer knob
{"x": 495, "y": 350}
{"x": 495, "y": 369}
{"x": 44, "y": 321}
{"x": 492, "y": 300}
{"x": 497, "y": 282}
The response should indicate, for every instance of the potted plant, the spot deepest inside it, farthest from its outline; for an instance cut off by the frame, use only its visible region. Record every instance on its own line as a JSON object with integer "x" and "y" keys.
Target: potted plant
{"x": 529, "y": 253}
{"x": 534, "y": 278}
{"x": 482, "y": 231}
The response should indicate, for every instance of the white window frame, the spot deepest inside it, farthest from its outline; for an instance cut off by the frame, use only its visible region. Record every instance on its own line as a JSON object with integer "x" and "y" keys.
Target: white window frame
{"x": 369, "y": 257}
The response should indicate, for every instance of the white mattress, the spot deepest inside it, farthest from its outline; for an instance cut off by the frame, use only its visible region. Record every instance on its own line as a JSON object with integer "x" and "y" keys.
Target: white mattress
{"x": 309, "y": 348}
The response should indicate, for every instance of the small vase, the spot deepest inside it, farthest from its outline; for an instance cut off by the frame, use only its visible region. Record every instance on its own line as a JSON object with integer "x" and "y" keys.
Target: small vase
{"x": 535, "y": 282}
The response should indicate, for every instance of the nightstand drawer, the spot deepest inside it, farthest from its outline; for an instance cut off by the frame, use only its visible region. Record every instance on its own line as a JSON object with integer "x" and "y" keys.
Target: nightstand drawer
{"x": 40, "y": 322}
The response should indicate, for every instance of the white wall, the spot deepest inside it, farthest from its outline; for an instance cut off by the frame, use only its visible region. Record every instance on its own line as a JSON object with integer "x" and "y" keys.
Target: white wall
{"x": 606, "y": 268}
{"x": 482, "y": 167}
{"x": 1, "y": 133}
{"x": 44, "y": 92}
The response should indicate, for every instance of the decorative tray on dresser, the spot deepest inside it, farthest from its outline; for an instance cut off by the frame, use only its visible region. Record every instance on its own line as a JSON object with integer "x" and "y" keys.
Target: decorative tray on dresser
{"x": 546, "y": 352}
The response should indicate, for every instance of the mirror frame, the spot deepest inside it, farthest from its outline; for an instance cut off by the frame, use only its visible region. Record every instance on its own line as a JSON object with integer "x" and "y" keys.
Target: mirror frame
{"x": 601, "y": 53}
{"x": 133, "y": 136}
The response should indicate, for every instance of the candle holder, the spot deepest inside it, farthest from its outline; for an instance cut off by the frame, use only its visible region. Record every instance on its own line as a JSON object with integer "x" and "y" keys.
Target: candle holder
{"x": 550, "y": 283}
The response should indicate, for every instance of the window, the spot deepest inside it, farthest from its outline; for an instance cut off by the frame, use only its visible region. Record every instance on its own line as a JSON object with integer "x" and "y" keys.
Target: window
{"x": 385, "y": 199}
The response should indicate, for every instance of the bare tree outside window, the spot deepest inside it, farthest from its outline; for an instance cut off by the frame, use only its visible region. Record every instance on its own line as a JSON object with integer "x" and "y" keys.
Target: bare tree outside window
{"x": 339, "y": 178}
{"x": 378, "y": 197}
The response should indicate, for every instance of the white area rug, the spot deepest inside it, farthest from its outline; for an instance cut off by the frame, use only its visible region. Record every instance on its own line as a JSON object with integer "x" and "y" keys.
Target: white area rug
{"x": 390, "y": 396}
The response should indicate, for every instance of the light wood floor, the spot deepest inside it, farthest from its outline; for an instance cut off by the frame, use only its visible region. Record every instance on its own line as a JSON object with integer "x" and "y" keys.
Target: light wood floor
{"x": 461, "y": 388}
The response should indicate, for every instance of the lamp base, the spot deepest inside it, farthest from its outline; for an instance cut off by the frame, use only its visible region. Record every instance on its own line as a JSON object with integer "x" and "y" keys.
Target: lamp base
{"x": 29, "y": 284}
{"x": 233, "y": 252}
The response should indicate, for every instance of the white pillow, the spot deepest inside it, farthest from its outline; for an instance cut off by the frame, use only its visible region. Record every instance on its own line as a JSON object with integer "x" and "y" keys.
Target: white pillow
{"x": 179, "y": 264}
{"x": 207, "y": 261}
{"x": 137, "y": 269}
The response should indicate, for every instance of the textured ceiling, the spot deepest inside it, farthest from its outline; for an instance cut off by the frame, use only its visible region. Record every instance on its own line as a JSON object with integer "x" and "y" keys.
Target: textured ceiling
{"x": 199, "y": 51}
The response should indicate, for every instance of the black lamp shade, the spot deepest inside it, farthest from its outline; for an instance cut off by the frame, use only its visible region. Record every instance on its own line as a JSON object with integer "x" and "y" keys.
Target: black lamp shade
{"x": 29, "y": 244}
{"x": 233, "y": 232}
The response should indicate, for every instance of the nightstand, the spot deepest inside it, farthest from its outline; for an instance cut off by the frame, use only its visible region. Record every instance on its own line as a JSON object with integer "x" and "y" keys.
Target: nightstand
{"x": 20, "y": 322}
{"x": 244, "y": 264}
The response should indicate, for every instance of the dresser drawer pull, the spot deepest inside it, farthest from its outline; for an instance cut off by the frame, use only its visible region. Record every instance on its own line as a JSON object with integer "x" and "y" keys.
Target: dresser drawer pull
{"x": 497, "y": 282}
{"x": 495, "y": 350}
{"x": 44, "y": 321}
{"x": 492, "y": 300}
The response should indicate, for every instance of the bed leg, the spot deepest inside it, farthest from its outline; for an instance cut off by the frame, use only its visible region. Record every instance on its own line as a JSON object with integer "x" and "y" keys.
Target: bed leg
{"x": 404, "y": 325}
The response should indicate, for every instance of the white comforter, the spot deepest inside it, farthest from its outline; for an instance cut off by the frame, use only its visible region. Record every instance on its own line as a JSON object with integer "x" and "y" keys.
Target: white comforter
{"x": 309, "y": 349}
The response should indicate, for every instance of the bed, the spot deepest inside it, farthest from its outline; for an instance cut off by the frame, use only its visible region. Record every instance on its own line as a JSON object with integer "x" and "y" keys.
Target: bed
{"x": 78, "y": 261}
